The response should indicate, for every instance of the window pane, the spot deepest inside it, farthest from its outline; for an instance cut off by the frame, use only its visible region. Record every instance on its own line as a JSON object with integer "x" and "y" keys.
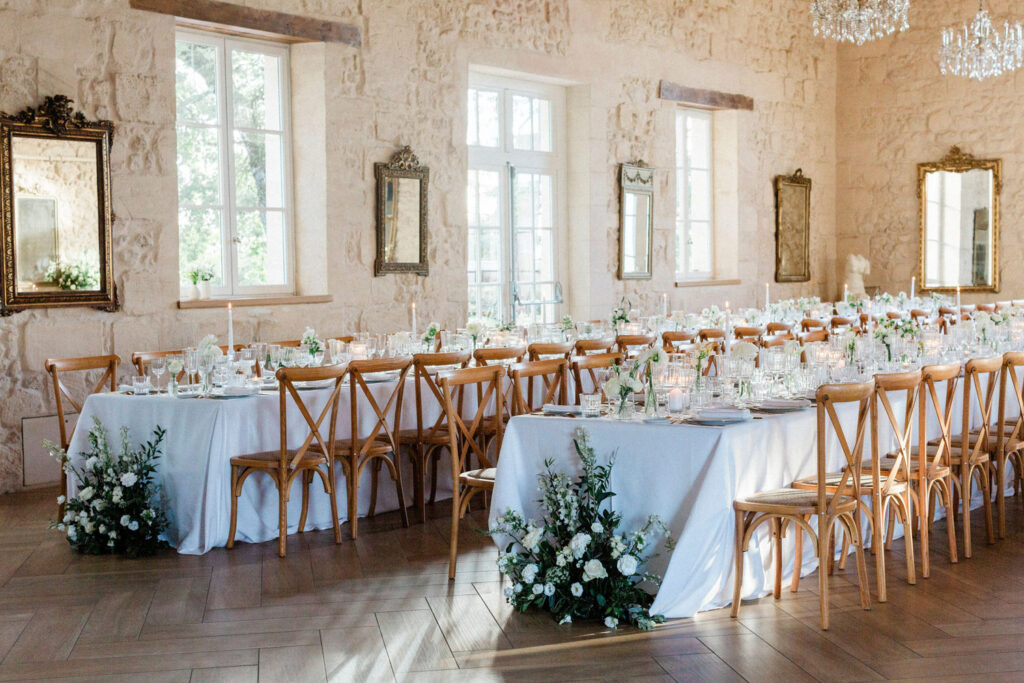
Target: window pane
{"x": 473, "y": 254}
{"x": 482, "y": 119}
{"x": 543, "y": 252}
{"x": 698, "y": 140}
{"x": 699, "y": 196}
{"x": 256, "y": 94}
{"x": 531, "y": 123}
{"x": 489, "y": 304}
{"x": 261, "y": 252}
{"x": 700, "y": 248}
{"x": 199, "y": 242}
{"x": 472, "y": 124}
{"x": 490, "y": 185}
{"x": 524, "y": 255}
{"x": 196, "y": 82}
{"x": 490, "y": 249}
{"x": 541, "y": 125}
{"x": 259, "y": 170}
{"x": 198, "y": 166}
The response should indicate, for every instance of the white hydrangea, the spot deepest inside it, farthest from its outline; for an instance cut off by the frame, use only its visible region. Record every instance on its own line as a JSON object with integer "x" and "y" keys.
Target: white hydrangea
{"x": 509, "y": 592}
{"x": 532, "y": 538}
{"x": 579, "y": 544}
{"x": 538, "y": 588}
{"x": 611, "y": 622}
{"x": 134, "y": 526}
{"x": 125, "y": 520}
{"x": 576, "y": 589}
{"x": 617, "y": 545}
{"x": 117, "y": 495}
{"x": 72, "y": 532}
{"x": 518, "y": 588}
{"x": 61, "y": 500}
{"x": 86, "y": 493}
{"x": 627, "y": 565}
{"x": 530, "y": 572}
{"x": 128, "y": 479}
{"x": 597, "y": 527}
{"x": 91, "y": 462}
{"x": 549, "y": 589}
{"x": 594, "y": 570}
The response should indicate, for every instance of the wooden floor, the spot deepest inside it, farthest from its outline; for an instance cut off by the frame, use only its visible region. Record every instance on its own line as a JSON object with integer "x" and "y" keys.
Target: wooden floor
{"x": 381, "y": 608}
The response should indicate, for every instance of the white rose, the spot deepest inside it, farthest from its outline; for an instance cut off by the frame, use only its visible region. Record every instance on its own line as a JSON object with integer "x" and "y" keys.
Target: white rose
{"x": 611, "y": 622}
{"x": 594, "y": 570}
{"x": 576, "y": 589}
{"x": 125, "y": 520}
{"x": 530, "y": 572}
{"x": 627, "y": 565}
{"x": 612, "y": 387}
{"x": 61, "y": 500}
{"x": 518, "y": 588}
{"x": 538, "y": 589}
{"x": 532, "y": 538}
{"x": 596, "y": 527}
{"x": 134, "y": 526}
{"x": 565, "y": 620}
{"x": 560, "y": 560}
{"x": 86, "y": 493}
{"x": 117, "y": 495}
{"x": 549, "y": 589}
{"x": 128, "y": 479}
{"x": 91, "y": 462}
{"x": 579, "y": 544}
{"x": 88, "y": 527}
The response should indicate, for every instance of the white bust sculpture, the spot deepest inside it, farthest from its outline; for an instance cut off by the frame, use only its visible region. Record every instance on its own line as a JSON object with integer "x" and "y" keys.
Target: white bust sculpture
{"x": 856, "y": 268}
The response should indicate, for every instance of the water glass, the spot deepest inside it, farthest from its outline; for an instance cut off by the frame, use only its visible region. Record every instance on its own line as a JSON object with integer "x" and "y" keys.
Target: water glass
{"x": 140, "y": 385}
{"x": 590, "y": 404}
{"x": 158, "y": 367}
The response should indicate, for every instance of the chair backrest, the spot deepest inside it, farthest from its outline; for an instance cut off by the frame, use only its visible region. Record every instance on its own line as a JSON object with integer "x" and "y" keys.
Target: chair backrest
{"x": 628, "y": 344}
{"x": 289, "y": 344}
{"x": 917, "y": 314}
{"x": 748, "y": 333}
{"x": 819, "y": 335}
{"x": 543, "y": 351}
{"x": 590, "y": 365}
{"x": 553, "y": 374}
{"x": 513, "y": 354}
{"x": 981, "y": 378}
{"x": 387, "y": 419}
{"x": 582, "y": 347}
{"x": 710, "y": 333}
{"x": 988, "y": 308}
{"x": 777, "y": 328}
{"x": 828, "y": 396}
{"x": 670, "y": 341}
{"x": 286, "y": 378}
{"x": 808, "y": 324}
{"x": 1012, "y": 361}
{"x": 55, "y": 367}
{"x": 943, "y": 409}
{"x": 902, "y": 430}
{"x": 425, "y": 366}
{"x": 140, "y": 359}
{"x": 838, "y": 323}
{"x": 465, "y": 438}
{"x": 776, "y": 340}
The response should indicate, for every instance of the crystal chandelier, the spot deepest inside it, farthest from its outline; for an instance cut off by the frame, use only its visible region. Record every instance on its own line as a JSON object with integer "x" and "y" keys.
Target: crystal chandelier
{"x": 978, "y": 51}
{"x": 857, "y": 21}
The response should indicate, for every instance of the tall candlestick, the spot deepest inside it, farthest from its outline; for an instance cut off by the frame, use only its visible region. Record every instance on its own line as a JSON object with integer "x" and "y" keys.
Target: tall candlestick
{"x": 664, "y": 305}
{"x": 231, "y": 333}
{"x": 846, "y": 291}
{"x": 958, "y": 303}
{"x": 413, "y": 306}
{"x": 767, "y": 298}
{"x": 913, "y": 284}
{"x": 728, "y": 331}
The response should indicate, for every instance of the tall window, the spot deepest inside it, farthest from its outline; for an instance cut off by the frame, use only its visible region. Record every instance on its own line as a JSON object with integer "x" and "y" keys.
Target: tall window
{"x": 944, "y": 193}
{"x": 695, "y": 248}
{"x": 515, "y": 135}
{"x": 234, "y": 163}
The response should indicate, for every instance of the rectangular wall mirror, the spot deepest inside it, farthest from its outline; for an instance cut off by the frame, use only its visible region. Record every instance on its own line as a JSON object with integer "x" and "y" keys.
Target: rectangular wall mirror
{"x": 959, "y": 216}
{"x": 401, "y": 215}
{"x": 56, "y": 209}
{"x": 636, "y": 220}
{"x": 793, "y": 228}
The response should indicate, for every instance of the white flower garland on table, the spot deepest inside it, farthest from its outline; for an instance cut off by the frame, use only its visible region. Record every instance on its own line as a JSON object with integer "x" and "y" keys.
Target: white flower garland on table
{"x": 576, "y": 564}
{"x": 115, "y": 510}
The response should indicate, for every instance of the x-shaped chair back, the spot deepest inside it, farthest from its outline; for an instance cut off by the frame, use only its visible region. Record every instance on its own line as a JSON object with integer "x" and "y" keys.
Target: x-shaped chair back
{"x": 943, "y": 409}
{"x": 591, "y": 364}
{"x": 818, "y": 335}
{"x": 425, "y": 369}
{"x": 1012, "y": 361}
{"x": 976, "y": 370}
{"x": 506, "y": 358}
{"x": 286, "y": 378}
{"x": 584, "y": 347}
{"x": 839, "y": 323}
{"x": 467, "y": 437}
{"x": 778, "y": 328}
{"x": 751, "y": 334}
{"x": 552, "y": 373}
{"x": 670, "y": 341}
{"x": 909, "y": 383}
{"x": 539, "y": 351}
{"x": 56, "y": 367}
{"x": 828, "y": 396}
{"x": 385, "y": 428}
{"x": 140, "y": 359}
{"x": 631, "y": 344}
{"x": 709, "y": 333}
{"x": 808, "y": 324}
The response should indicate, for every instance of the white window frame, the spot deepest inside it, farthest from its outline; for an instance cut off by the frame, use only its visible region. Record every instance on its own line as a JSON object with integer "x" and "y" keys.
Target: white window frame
{"x": 683, "y": 221}
{"x": 226, "y": 129}
{"x": 552, "y": 163}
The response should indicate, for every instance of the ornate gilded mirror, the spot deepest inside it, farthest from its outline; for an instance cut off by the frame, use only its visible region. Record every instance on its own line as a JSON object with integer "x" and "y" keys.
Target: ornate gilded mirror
{"x": 636, "y": 220}
{"x": 401, "y": 215}
{"x": 793, "y": 227}
{"x": 959, "y": 217}
{"x": 56, "y": 218}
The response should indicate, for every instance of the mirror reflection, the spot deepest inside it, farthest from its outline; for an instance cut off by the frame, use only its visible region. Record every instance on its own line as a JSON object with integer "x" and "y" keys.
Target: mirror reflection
{"x": 402, "y": 220}
{"x": 56, "y": 214}
{"x": 636, "y": 228}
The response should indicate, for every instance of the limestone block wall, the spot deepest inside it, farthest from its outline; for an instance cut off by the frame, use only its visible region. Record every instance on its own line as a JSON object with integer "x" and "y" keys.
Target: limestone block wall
{"x": 895, "y": 110}
{"x": 406, "y": 85}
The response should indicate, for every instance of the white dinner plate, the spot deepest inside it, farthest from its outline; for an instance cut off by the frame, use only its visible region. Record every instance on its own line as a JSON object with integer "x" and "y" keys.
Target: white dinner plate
{"x": 718, "y": 422}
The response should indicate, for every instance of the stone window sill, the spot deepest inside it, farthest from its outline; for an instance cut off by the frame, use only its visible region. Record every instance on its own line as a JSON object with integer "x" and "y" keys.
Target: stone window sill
{"x": 707, "y": 283}
{"x": 257, "y": 301}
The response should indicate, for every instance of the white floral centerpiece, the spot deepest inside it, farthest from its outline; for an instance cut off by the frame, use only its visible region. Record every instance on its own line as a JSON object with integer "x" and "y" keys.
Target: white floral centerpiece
{"x": 575, "y": 563}
{"x": 620, "y": 314}
{"x": 115, "y": 509}
{"x": 476, "y": 328}
{"x": 890, "y": 330}
{"x": 309, "y": 339}
{"x": 208, "y": 350}
{"x": 620, "y": 387}
{"x": 652, "y": 363}
{"x": 567, "y": 325}
{"x": 433, "y": 329}
{"x": 712, "y": 316}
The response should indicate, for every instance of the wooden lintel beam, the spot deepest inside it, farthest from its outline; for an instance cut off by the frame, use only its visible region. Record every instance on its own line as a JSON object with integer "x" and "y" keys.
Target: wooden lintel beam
{"x": 707, "y": 98}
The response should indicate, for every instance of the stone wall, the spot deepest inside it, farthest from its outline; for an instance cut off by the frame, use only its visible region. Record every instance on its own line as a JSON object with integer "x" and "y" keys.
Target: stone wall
{"x": 406, "y": 86}
{"x": 895, "y": 109}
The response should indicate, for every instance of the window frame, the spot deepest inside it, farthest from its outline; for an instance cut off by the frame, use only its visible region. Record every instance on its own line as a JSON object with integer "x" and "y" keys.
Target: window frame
{"x": 553, "y": 163}
{"x": 683, "y": 220}
{"x": 226, "y": 128}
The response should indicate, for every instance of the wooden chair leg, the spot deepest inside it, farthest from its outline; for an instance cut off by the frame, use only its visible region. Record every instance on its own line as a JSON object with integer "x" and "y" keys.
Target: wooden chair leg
{"x": 878, "y": 545}
{"x": 908, "y": 537}
{"x": 737, "y": 584}
{"x": 307, "y": 479}
{"x": 983, "y": 474}
{"x": 374, "y": 476}
{"x": 396, "y": 473}
{"x": 234, "y": 507}
{"x": 433, "y": 474}
{"x": 352, "y": 486}
{"x": 798, "y": 557}
{"x": 332, "y": 492}
{"x": 777, "y": 555}
{"x": 825, "y": 540}
{"x": 419, "y": 477}
{"x": 947, "y": 486}
{"x": 862, "y": 568}
{"x": 965, "y": 507}
{"x": 922, "y": 510}
{"x": 282, "y": 515}
{"x": 890, "y": 529}
{"x": 1001, "y": 493}
{"x": 453, "y": 543}
{"x": 844, "y": 552}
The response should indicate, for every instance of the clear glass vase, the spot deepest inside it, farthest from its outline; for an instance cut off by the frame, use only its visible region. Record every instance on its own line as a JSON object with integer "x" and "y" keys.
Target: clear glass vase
{"x": 625, "y": 408}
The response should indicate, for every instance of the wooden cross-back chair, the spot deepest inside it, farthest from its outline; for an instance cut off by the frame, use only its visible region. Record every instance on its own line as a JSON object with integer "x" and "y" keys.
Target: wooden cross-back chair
{"x": 590, "y": 365}
{"x": 430, "y": 437}
{"x": 1008, "y": 446}
{"x": 56, "y": 367}
{"x": 818, "y": 335}
{"x": 988, "y": 308}
{"x": 315, "y": 457}
{"x": 746, "y": 333}
{"x": 785, "y": 507}
{"x": 808, "y": 324}
{"x": 583, "y": 347}
{"x": 917, "y": 315}
{"x": 381, "y": 445}
{"x": 970, "y": 454}
{"x": 671, "y": 341}
{"x": 632, "y": 344}
{"x": 839, "y": 323}
{"x": 710, "y": 334}
{"x": 778, "y": 328}
{"x": 893, "y": 315}
{"x": 142, "y": 359}
{"x": 505, "y": 357}
{"x": 553, "y": 375}
{"x": 467, "y": 439}
{"x": 545, "y": 351}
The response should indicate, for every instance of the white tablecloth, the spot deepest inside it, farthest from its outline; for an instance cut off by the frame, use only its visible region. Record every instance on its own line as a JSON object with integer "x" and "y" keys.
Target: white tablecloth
{"x": 202, "y": 436}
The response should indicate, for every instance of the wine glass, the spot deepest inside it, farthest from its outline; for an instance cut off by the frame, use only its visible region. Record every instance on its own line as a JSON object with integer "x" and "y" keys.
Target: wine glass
{"x": 158, "y": 367}
{"x": 191, "y": 363}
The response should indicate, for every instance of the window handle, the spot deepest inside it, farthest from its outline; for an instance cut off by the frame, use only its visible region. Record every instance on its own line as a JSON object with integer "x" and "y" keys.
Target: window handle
{"x": 236, "y": 239}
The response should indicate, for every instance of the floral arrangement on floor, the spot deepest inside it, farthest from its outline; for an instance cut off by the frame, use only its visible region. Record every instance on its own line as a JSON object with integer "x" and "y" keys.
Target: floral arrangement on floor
{"x": 310, "y": 340}
{"x": 74, "y": 275}
{"x": 575, "y": 563}
{"x": 115, "y": 509}
{"x": 433, "y": 329}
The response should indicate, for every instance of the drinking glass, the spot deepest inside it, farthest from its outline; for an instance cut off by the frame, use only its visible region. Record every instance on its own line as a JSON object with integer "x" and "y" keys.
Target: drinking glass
{"x": 190, "y": 358}
{"x": 590, "y": 404}
{"x": 140, "y": 385}
{"x": 158, "y": 367}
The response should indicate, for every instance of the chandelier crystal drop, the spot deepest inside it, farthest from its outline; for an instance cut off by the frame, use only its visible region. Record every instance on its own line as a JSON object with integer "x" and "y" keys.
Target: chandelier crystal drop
{"x": 977, "y": 50}
{"x": 858, "y": 21}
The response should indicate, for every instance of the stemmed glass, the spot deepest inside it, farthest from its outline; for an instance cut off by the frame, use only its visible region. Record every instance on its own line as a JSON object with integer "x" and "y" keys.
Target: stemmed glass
{"x": 158, "y": 367}
{"x": 205, "y": 366}
{"x": 191, "y": 363}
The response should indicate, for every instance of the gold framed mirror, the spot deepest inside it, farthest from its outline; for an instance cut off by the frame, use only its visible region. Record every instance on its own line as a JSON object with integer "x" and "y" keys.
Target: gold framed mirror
{"x": 401, "y": 215}
{"x": 793, "y": 227}
{"x": 636, "y": 220}
{"x": 55, "y": 216}
{"x": 959, "y": 222}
